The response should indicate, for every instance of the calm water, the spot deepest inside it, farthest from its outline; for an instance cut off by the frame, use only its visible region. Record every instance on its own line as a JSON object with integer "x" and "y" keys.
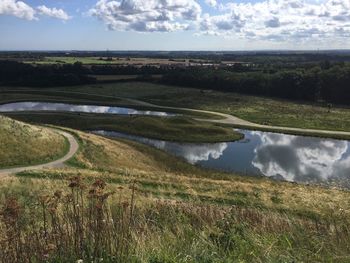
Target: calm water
{"x": 279, "y": 156}
{"x": 47, "y": 106}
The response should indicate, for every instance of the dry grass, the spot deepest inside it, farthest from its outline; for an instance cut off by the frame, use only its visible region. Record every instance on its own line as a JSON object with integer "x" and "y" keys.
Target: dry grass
{"x": 96, "y": 222}
{"x": 160, "y": 175}
{"x": 23, "y": 144}
{"x": 157, "y": 208}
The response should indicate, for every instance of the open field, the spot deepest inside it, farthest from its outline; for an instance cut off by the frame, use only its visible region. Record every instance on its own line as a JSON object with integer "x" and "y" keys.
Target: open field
{"x": 255, "y": 109}
{"x": 110, "y": 61}
{"x": 180, "y": 129}
{"x": 164, "y": 210}
{"x": 8, "y": 95}
{"x": 22, "y": 144}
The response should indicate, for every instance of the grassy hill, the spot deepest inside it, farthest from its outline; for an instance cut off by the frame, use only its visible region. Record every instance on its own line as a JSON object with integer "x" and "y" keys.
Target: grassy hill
{"x": 126, "y": 202}
{"x": 23, "y": 144}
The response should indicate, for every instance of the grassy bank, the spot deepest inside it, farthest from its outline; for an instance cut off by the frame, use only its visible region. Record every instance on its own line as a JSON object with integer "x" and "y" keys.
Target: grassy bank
{"x": 157, "y": 208}
{"x": 22, "y": 144}
{"x": 181, "y": 129}
{"x": 9, "y": 95}
{"x": 255, "y": 109}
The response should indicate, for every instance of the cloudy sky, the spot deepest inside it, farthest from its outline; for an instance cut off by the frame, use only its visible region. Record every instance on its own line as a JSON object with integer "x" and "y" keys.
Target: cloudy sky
{"x": 174, "y": 24}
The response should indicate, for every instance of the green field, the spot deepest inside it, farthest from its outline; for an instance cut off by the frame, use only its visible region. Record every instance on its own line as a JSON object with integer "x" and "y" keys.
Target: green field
{"x": 71, "y": 60}
{"x": 255, "y": 109}
{"x": 8, "y": 95}
{"x": 181, "y": 129}
{"x": 105, "y": 61}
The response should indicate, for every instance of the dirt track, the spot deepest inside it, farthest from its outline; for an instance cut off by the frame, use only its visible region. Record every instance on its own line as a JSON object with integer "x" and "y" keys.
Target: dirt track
{"x": 73, "y": 148}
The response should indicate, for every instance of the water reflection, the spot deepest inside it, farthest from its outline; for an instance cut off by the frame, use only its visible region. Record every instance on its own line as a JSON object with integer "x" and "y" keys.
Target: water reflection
{"x": 193, "y": 153}
{"x": 279, "y": 156}
{"x": 47, "y": 106}
{"x": 296, "y": 158}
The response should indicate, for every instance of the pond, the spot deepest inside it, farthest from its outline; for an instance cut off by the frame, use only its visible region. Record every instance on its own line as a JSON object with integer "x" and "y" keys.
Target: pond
{"x": 279, "y": 156}
{"x": 63, "y": 107}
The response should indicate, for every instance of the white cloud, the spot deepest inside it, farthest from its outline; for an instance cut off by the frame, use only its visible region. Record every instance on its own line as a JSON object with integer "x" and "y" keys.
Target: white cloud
{"x": 53, "y": 12}
{"x": 17, "y": 8}
{"x": 297, "y": 158}
{"x": 281, "y": 20}
{"x": 147, "y": 16}
{"x": 24, "y": 11}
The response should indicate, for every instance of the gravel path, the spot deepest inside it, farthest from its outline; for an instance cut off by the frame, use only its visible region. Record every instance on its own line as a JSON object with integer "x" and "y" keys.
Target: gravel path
{"x": 73, "y": 148}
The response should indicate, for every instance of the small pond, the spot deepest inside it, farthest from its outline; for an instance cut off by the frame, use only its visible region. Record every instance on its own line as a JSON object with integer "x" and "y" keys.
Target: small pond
{"x": 279, "y": 156}
{"x": 63, "y": 107}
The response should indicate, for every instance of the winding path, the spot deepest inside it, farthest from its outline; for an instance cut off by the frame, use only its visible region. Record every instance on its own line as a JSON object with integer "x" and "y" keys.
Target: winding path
{"x": 224, "y": 118}
{"x": 235, "y": 121}
{"x": 73, "y": 148}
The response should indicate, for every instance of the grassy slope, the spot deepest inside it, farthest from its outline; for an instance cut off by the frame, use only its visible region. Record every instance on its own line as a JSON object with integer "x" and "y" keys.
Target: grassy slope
{"x": 181, "y": 129}
{"x": 190, "y": 215}
{"x": 255, "y": 109}
{"x": 22, "y": 144}
{"x": 9, "y": 95}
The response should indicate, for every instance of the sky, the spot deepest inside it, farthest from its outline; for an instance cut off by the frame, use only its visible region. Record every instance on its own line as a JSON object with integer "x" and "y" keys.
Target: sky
{"x": 174, "y": 24}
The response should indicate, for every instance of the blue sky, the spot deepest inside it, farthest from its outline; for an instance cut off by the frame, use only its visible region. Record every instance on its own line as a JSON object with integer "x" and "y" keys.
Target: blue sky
{"x": 174, "y": 24}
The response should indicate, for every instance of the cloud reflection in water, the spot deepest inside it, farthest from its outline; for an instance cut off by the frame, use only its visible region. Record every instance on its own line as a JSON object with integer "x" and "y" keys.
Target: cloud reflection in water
{"x": 298, "y": 158}
{"x": 47, "y": 106}
{"x": 193, "y": 153}
{"x": 280, "y": 156}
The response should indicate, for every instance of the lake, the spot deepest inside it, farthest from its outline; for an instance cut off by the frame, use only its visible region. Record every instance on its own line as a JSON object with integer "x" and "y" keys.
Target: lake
{"x": 64, "y": 107}
{"x": 279, "y": 156}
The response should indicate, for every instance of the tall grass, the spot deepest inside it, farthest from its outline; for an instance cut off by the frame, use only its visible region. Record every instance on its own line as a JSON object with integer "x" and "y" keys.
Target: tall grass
{"x": 23, "y": 144}
{"x": 71, "y": 226}
{"x": 89, "y": 223}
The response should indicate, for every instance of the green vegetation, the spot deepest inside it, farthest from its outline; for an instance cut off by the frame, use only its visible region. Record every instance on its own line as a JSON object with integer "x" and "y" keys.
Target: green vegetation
{"x": 8, "y": 95}
{"x": 101, "y": 60}
{"x": 181, "y": 129}
{"x": 255, "y": 109}
{"x": 127, "y": 202}
{"x": 157, "y": 208}
{"x": 71, "y": 60}
{"x": 22, "y": 144}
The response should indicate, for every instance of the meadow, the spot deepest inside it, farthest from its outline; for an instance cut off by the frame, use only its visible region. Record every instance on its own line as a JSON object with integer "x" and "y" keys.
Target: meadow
{"x": 259, "y": 110}
{"x": 180, "y": 128}
{"x": 120, "y": 201}
{"x": 24, "y": 144}
{"x": 106, "y": 61}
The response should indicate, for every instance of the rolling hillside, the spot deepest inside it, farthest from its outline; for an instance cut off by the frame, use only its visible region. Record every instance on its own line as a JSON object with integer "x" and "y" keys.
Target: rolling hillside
{"x": 23, "y": 144}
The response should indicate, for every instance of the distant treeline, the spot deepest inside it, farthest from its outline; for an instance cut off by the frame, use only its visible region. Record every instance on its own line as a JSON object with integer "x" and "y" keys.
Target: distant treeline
{"x": 21, "y": 74}
{"x": 261, "y": 57}
{"x": 24, "y": 74}
{"x": 327, "y": 82}
{"x": 128, "y": 70}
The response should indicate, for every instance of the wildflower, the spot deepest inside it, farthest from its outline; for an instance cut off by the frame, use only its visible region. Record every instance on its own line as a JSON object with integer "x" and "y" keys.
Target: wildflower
{"x": 80, "y": 261}
{"x": 11, "y": 211}
{"x": 75, "y": 182}
{"x": 92, "y": 192}
{"x": 99, "y": 184}
{"x": 58, "y": 194}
